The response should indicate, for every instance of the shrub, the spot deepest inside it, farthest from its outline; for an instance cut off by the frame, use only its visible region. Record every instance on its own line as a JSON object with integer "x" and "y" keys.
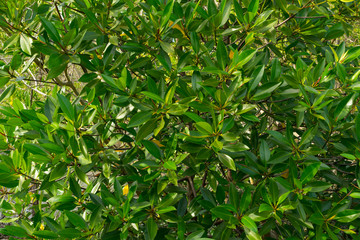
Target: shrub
{"x": 179, "y": 119}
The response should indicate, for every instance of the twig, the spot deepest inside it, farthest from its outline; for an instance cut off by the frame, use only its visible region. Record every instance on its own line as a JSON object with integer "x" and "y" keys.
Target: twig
{"x": 342, "y": 171}
{"x": 204, "y": 179}
{"x": 34, "y": 89}
{"x": 60, "y": 17}
{"x": 293, "y": 15}
{"x": 37, "y": 81}
{"x": 27, "y": 176}
{"x": 191, "y": 186}
{"x": 328, "y": 138}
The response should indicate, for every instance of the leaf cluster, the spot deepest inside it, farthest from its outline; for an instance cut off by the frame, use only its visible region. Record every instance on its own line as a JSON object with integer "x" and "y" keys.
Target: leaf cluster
{"x": 179, "y": 119}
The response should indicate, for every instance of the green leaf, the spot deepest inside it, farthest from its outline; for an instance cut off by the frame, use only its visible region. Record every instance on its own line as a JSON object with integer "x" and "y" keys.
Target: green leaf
{"x": 309, "y": 172}
{"x": 153, "y": 96}
{"x": 170, "y": 165}
{"x": 109, "y": 80}
{"x": 8, "y": 92}
{"x": 259, "y": 73}
{"x": 52, "y": 147}
{"x": 121, "y": 82}
{"x": 170, "y": 93}
{"x": 16, "y": 62}
{"x": 319, "y": 186}
{"x": 35, "y": 149}
{"x": 264, "y": 151}
{"x": 228, "y": 124}
{"x": 139, "y": 118}
{"x": 227, "y": 161}
{"x": 282, "y": 198}
{"x": 234, "y": 196}
{"x": 70, "y": 233}
{"x": 45, "y": 234}
{"x": 166, "y": 209}
{"x": 76, "y": 220}
{"x": 208, "y": 196}
{"x": 25, "y": 44}
{"x": 253, "y": 6}
{"x": 308, "y": 135}
{"x": 330, "y": 233}
{"x": 194, "y": 117}
{"x": 152, "y": 148}
{"x": 221, "y": 55}
{"x": 352, "y": 54}
{"x": 275, "y": 70}
{"x": 204, "y": 127}
{"x": 245, "y": 200}
{"x": 167, "y": 12}
{"x": 151, "y": 229}
{"x": 222, "y": 212}
{"x": 58, "y": 172}
{"x": 56, "y": 70}
{"x": 196, "y": 80}
{"x": 146, "y": 129}
{"x": 317, "y": 218}
{"x": 159, "y": 127}
{"x": 66, "y": 106}
{"x": 249, "y": 223}
{"x": 264, "y": 207}
{"x": 348, "y": 156}
{"x": 81, "y": 175}
{"x": 355, "y": 195}
{"x": 357, "y": 126}
{"x": 244, "y": 57}
{"x": 250, "y": 117}
{"x": 214, "y": 70}
{"x": 75, "y": 187}
{"x": 225, "y": 11}
{"x": 14, "y": 231}
{"x": 177, "y": 109}
{"x": 235, "y": 147}
{"x": 265, "y": 91}
{"x": 251, "y": 235}
{"x": 344, "y": 107}
{"x": 50, "y": 29}
{"x": 93, "y": 19}
{"x": 195, "y": 42}
{"x": 348, "y": 215}
{"x": 196, "y": 235}
{"x": 164, "y": 59}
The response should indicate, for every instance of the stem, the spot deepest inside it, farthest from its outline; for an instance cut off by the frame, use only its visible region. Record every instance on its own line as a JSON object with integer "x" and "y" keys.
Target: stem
{"x": 60, "y": 17}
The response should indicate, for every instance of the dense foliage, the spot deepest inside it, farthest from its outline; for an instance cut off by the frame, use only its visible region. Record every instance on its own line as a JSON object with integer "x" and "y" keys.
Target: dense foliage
{"x": 167, "y": 119}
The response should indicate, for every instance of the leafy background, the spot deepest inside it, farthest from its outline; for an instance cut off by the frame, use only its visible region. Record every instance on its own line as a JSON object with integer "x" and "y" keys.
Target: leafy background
{"x": 179, "y": 119}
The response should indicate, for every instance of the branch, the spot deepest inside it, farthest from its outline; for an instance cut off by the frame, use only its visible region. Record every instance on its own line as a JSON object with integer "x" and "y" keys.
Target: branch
{"x": 60, "y": 17}
{"x": 70, "y": 83}
{"x": 293, "y": 15}
{"x": 34, "y": 89}
{"x": 189, "y": 179}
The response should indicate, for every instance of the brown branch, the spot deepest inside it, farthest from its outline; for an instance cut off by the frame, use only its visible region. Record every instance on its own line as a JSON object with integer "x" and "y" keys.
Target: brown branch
{"x": 292, "y": 16}
{"x": 191, "y": 183}
{"x": 204, "y": 178}
{"x": 36, "y": 80}
{"x": 60, "y": 17}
